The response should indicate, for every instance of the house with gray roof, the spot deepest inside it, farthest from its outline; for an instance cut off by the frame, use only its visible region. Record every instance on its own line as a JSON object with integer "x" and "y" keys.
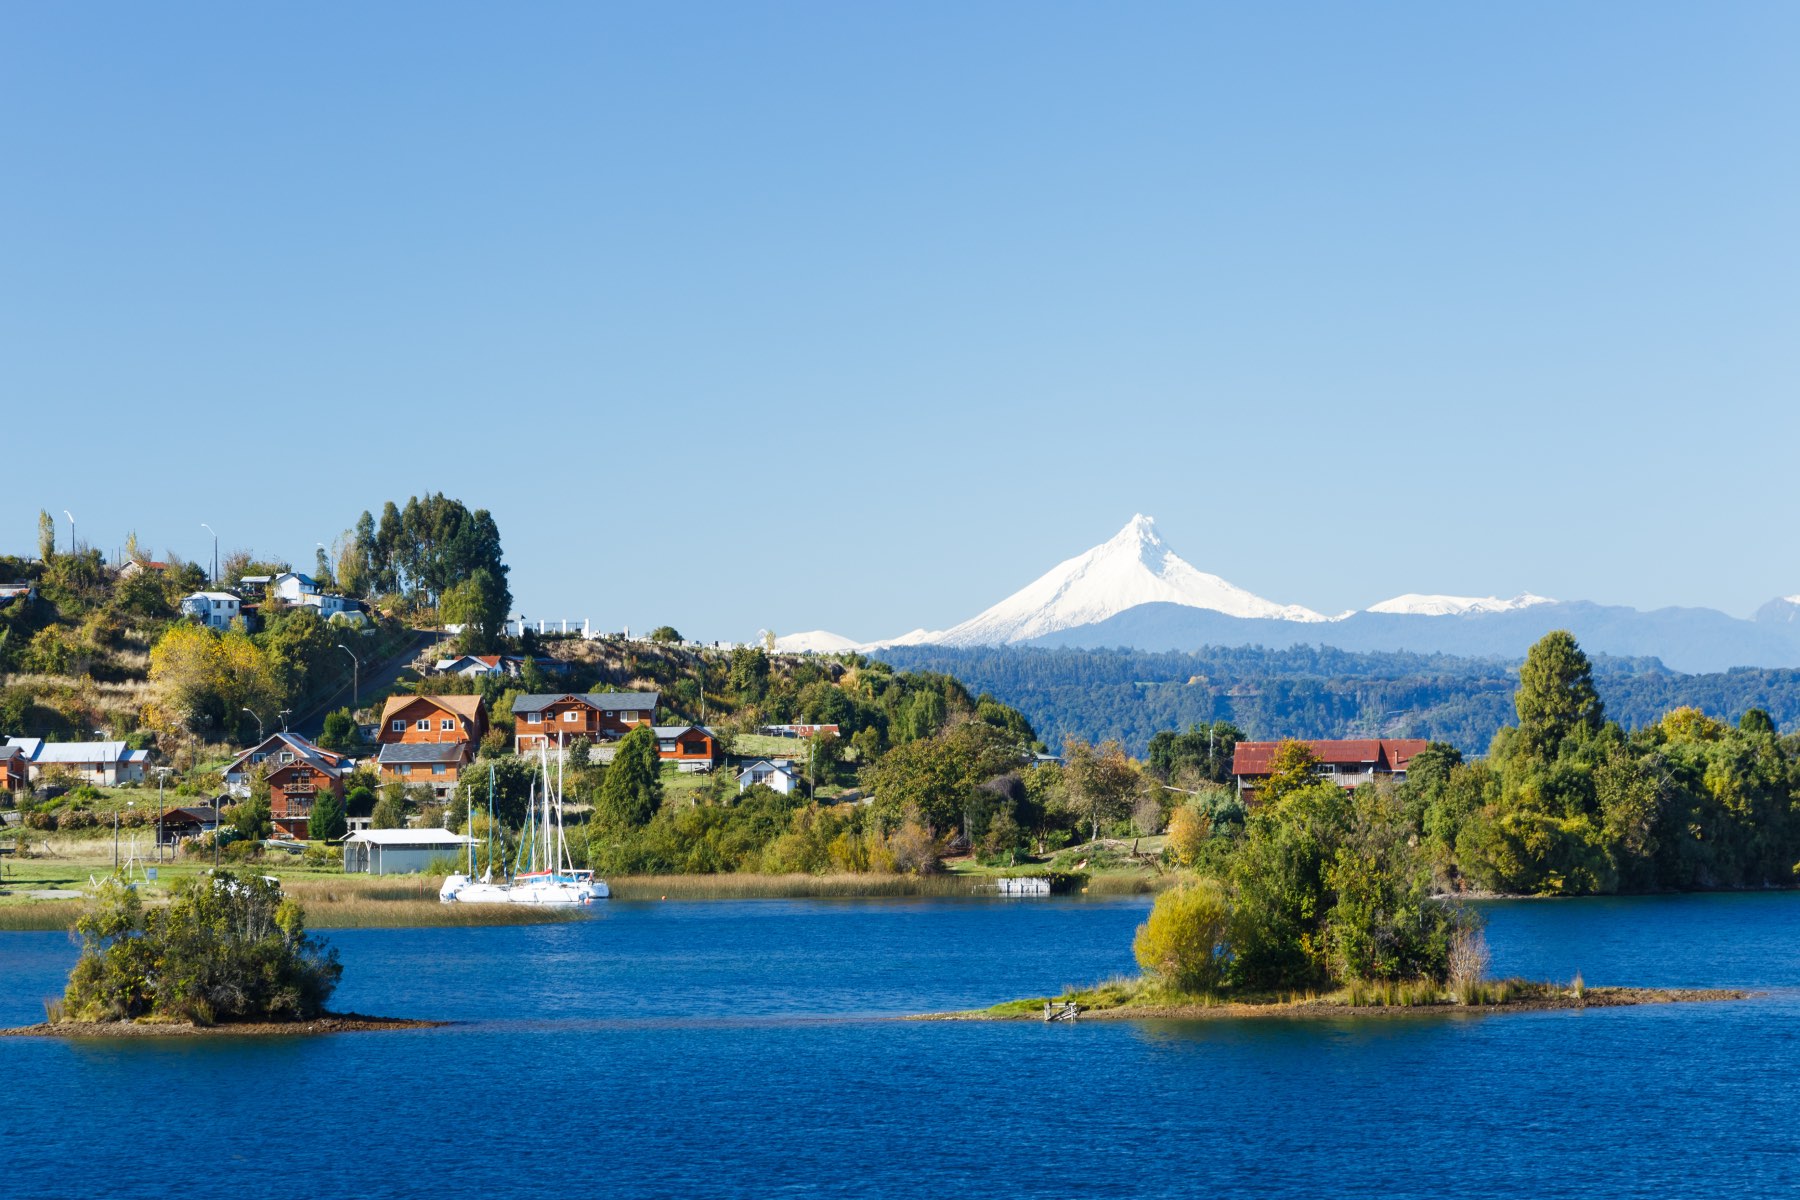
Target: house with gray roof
{"x": 104, "y": 763}
{"x": 553, "y": 720}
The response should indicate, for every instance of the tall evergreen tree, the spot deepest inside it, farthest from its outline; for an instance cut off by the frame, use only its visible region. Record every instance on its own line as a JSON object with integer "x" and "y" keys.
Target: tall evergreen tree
{"x": 632, "y": 790}
{"x": 326, "y": 822}
{"x": 1556, "y": 693}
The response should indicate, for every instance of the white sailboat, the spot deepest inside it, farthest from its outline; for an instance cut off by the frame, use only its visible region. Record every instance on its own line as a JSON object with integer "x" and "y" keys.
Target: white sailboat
{"x": 549, "y": 875}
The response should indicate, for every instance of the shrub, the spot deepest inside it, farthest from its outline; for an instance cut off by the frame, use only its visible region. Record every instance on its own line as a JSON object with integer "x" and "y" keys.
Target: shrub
{"x": 1185, "y": 941}
{"x": 78, "y": 818}
{"x": 225, "y": 949}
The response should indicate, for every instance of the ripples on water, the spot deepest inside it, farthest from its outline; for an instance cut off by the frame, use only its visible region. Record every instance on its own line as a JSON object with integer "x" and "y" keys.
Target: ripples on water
{"x": 741, "y": 1048}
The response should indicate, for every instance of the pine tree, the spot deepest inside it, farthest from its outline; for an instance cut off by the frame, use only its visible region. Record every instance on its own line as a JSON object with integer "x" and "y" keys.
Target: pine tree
{"x": 326, "y": 822}
{"x": 632, "y": 790}
{"x": 1556, "y": 694}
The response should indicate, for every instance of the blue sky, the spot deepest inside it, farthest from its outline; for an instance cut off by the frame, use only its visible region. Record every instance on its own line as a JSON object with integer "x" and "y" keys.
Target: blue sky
{"x": 860, "y": 316}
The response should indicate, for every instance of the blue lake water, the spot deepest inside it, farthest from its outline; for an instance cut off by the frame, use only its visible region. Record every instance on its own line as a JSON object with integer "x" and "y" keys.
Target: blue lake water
{"x": 743, "y": 1048}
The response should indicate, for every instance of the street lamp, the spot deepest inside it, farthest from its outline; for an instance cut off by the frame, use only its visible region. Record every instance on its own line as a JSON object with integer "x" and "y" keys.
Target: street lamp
{"x": 215, "y": 537}
{"x": 355, "y": 676}
{"x": 285, "y": 714}
{"x": 259, "y": 726}
{"x": 71, "y": 517}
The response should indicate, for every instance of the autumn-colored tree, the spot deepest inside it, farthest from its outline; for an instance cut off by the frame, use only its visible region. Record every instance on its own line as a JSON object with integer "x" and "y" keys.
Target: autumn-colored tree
{"x": 1290, "y": 769}
{"x": 1101, "y": 781}
{"x": 204, "y": 679}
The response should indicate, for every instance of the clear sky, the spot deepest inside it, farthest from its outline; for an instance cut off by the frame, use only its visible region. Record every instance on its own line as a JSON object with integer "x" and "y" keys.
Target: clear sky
{"x": 860, "y": 316}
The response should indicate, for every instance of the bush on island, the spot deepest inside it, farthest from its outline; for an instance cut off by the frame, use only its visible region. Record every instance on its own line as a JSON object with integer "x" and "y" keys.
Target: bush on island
{"x": 225, "y": 949}
{"x": 1185, "y": 942}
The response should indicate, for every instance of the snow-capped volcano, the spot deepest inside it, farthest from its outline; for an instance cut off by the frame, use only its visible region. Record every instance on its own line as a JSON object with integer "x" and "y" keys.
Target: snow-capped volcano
{"x": 1415, "y": 604}
{"x": 1132, "y": 568}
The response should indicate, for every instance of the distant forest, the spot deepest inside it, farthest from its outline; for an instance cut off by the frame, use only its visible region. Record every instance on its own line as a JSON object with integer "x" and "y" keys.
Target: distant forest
{"x": 1317, "y": 692}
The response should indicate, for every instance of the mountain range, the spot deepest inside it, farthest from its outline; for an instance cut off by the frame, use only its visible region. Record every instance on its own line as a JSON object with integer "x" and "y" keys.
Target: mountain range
{"x": 1132, "y": 591}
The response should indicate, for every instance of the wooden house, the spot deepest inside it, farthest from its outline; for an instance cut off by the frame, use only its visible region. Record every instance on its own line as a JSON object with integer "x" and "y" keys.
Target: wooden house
{"x": 548, "y": 720}
{"x": 689, "y": 747}
{"x": 297, "y": 771}
{"x": 430, "y": 739}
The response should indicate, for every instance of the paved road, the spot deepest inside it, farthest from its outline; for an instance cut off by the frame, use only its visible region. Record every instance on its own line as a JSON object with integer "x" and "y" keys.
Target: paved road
{"x": 376, "y": 677}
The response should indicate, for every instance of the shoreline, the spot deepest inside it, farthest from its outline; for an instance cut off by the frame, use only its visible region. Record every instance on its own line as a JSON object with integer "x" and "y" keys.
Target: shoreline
{"x": 1324, "y": 1008}
{"x": 326, "y": 1023}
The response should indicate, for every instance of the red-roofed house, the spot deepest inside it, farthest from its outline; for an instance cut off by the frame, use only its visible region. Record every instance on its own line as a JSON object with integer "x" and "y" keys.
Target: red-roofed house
{"x": 1345, "y": 763}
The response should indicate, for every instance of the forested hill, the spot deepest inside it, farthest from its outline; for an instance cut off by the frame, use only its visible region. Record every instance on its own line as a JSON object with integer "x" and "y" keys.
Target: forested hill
{"x": 1316, "y": 692}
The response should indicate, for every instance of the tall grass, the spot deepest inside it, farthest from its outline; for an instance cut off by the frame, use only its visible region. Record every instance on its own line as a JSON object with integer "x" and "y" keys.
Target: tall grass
{"x": 752, "y": 886}
{"x": 39, "y": 915}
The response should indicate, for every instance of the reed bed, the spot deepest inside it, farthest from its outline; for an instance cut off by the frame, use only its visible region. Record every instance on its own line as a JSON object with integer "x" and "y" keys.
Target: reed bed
{"x": 36, "y": 916}
{"x": 749, "y": 886}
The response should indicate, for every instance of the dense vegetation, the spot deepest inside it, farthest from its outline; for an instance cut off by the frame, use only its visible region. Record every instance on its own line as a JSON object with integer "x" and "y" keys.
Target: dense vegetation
{"x": 224, "y": 949}
{"x": 1317, "y": 692}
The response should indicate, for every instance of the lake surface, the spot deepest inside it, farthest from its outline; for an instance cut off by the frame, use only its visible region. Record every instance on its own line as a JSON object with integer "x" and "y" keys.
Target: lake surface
{"x": 742, "y": 1048}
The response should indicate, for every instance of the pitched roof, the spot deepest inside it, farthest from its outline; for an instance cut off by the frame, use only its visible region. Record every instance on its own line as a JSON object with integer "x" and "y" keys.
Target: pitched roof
{"x": 466, "y": 707}
{"x": 420, "y": 752}
{"x": 669, "y": 731}
{"x": 763, "y": 762}
{"x": 1392, "y": 754}
{"x": 303, "y": 751}
{"x": 613, "y": 701}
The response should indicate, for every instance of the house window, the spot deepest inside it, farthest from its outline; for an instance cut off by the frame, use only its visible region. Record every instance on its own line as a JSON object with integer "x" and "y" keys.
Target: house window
{"x": 286, "y": 757}
{"x": 399, "y": 725}
{"x": 571, "y": 716}
{"x": 534, "y": 718}
{"x": 424, "y": 722}
{"x": 406, "y": 768}
{"x": 438, "y": 768}
{"x": 448, "y": 723}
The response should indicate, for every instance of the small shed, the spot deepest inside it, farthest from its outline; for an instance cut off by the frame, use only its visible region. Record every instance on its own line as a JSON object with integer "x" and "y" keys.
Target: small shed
{"x": 401, "y": 851}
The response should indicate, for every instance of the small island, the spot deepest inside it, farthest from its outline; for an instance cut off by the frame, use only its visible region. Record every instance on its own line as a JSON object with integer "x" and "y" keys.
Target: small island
{"x": 1325, "y": 908}
{"x": 227, "y": 954}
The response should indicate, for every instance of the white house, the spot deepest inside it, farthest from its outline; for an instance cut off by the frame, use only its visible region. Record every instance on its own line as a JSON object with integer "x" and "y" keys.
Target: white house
{"x": 295, "y": 587}
{"x": 104, "y": 763}
{"x": 779, "y": 775}
{"x": 217, "y": 610}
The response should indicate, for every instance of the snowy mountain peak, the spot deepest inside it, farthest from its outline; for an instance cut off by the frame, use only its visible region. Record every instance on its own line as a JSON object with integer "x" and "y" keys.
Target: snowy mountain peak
{"x": 1132, "y": 567}
{"x": 1415, "y": 604}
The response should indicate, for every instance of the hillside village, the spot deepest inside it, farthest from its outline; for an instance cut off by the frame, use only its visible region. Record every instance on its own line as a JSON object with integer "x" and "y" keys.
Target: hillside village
{"x": 389, "y": 699}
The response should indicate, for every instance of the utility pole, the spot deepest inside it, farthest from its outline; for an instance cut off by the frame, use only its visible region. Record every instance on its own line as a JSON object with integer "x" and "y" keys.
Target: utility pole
{"x": 162, "y": 777}
{"x": 215, "y": 562}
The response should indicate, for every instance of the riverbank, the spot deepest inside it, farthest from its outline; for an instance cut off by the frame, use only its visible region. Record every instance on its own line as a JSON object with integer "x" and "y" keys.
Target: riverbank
{"x": 1128, "y": 1000}
{"x": 328, "y": 1023}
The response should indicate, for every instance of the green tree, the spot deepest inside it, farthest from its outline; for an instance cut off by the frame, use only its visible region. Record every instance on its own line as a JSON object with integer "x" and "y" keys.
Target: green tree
{"x": 46, "y": 535}
{"x": 631, "y": 792}
{"x": 339, "y": 732}
{"x": 1186, "y": 940}
{"x": 1290, "y": 770}
{"x": 1101, "y": 781}
{"x": 665, "y": 635}
{"x": 326, "y": 822}
{"x": 1556, "y": 695}
{"x": 224, "y": 949}
{"x": 390, "y": 809}
{"x": 250, "y": 818}
{"x": 479, "y": 604}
